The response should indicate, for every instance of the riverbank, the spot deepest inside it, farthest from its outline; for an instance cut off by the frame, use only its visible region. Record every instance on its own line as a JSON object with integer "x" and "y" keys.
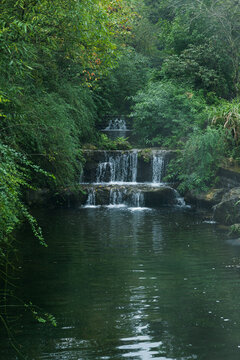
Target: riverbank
{"x": 224, "y": 199}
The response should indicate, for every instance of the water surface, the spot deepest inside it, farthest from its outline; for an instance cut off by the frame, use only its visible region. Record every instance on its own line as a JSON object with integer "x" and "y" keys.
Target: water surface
{"x": 125, "y": 284}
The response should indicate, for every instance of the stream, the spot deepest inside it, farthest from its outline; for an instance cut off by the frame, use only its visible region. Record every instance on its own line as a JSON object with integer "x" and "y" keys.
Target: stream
{"x": 132, "y": 273}
{"x": 129, "y": 284}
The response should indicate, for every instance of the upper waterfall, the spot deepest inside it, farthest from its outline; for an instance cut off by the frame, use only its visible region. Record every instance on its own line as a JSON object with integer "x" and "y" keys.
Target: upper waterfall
{"x": 116, "y": 125}
{"x": 116, "y": 128}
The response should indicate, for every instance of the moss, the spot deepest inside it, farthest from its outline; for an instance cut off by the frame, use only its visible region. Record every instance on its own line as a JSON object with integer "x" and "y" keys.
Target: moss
{"x": 89, "y": 147}
{"x": 146, "y": 155}
{"x": 235, "y": 229}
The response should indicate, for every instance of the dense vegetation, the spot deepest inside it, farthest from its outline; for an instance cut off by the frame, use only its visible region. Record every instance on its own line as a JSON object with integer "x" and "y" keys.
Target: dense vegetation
{"x": 66, "y": 65}
{"x": 192, "y": 99}
{"x": 53, "y": 55}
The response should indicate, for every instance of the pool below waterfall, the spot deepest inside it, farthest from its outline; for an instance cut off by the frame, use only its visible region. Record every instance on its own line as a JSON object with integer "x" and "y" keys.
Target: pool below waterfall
{"x": 129, "y": 284}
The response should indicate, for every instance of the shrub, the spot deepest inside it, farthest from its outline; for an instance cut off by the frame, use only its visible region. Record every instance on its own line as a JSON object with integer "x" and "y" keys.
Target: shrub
{"x": 227, "y": 115}
{"x": 165, "y": 113}
{"x": 196, "y": 166}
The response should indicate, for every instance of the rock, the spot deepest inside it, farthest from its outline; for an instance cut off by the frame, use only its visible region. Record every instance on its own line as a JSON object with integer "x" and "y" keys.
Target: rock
{"x": 235, "y": 229}
{"x": 229, "y": 177}
{"x": 144, "y": 164}
{"x": 153, "y": 196}
{"x": 207, "y": 200}
{"x": 160, "y": 196}
{"x": 228, "y": 210}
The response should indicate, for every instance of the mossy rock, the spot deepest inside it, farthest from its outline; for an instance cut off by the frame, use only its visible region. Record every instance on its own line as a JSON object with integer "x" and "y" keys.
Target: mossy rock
{"x": 228, "y": 210}
{"x": 146, "y": 155}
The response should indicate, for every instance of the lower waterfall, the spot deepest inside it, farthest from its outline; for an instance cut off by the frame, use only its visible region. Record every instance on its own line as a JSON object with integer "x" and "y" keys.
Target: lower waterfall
{"x": 137, "y": 199}
{"x": 126, "y": 179}
{"x": 116, "y": 197}
{"x": 121, "y": 197}
{"x": 91, "y": 199}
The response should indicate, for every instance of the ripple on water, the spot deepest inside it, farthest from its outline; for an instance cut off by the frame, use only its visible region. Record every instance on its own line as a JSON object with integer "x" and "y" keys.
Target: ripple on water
{"x": 140, "y": 346}
{"x": 128, "y": 284}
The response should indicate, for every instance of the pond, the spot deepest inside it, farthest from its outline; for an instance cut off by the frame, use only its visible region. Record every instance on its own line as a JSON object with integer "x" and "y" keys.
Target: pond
{"x": 130, "y": 284}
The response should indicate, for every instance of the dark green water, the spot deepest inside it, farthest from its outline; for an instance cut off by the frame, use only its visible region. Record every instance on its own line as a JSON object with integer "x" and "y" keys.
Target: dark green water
{"x": 157, "y": 284}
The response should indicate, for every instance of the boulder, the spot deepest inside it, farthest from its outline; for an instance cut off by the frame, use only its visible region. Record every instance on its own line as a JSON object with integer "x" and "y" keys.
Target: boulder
{"x": 228, "y": 210}
{"x": 205, "y": 199}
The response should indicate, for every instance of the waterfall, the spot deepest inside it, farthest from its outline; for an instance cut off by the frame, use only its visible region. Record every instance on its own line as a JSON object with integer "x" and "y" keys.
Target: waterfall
{"x": 116, "y": 197}
{"x": 123, "y": 178}
{"x": 105, "y": 171}
{"x": 123, "y": 197}
{"x": 118, "y": 168}
{"x": 137, "y": 199}
{"x": 158, "y": 165}
{"x": 179, "y": 200}
{"x": 91, "y": 199}
{"x": 116, "y": 125}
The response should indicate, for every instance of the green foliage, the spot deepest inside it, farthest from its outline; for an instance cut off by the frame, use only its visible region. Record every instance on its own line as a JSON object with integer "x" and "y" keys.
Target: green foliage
{"x": 234, "y": 229}
{"x": 15, "y": 177}
{"x": 199, "y": 67}
{"x": 197, "y": 165}
{"x": 198, "y": 43}
{"x": 146, "y": 155}
{"x": 165, "y": 113}
{"x": 227, "y": 115}
{"x": 119, "y": 143}
{"x": 131, "y": 74}
{"x": 55, "y": 125}
{"x": 52, "y": 56}
{"x": 15, "y": 172}
{"x": 40, "y": 316}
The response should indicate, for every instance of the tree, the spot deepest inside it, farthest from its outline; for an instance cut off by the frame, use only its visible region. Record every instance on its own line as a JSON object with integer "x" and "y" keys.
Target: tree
{"x": 52, "y": 56}
{"x": 166, "y": 113}
{"x": 199, "y": 43}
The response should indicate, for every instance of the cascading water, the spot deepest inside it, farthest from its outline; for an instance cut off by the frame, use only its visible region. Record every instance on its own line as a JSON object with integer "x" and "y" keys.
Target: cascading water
{"x": 137, "y": 199}
{"x": 116, "y": 128}
{"x": 124, "y": 178}
{"x": 158, "y": 164}
{"x": 125, "y": 197}
{"x": 116, "y": 197}
{"x": 116, "y": 125}
{"x": 118, "y": 168}
{"x": 91, "y": 199}
{"x": 180, "y": 202}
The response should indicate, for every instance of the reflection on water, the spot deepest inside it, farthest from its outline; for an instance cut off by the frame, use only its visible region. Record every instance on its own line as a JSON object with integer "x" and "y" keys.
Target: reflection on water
{"x": 150, "y": 284}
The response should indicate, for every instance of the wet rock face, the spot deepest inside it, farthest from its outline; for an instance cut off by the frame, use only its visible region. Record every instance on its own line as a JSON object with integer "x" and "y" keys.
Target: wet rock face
{"x": 92, "y": 158}
{"x": 160, "y": 196}
{"x": 205, "y": 200}
{"x": 229, "y": 178}
{"x": 128, "y": 195}
{"x": 125, "y": 159}
{"x": 228, "y": 210}
{"x": 130, "y": 178}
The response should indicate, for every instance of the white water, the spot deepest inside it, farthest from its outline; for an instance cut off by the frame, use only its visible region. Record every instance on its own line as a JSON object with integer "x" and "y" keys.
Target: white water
{"x": 121, "y": 168}
{"x": 91, "y": 199}
{"x": 116, "y": 196}
{"x": 120, "y": 198}
{"x": 180, "y": 202}
{"x": 137, "y": 199}
{"x": 116, "y": 125}
{"x": 158, "y": 164}
{"x": 118, "y": 168}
